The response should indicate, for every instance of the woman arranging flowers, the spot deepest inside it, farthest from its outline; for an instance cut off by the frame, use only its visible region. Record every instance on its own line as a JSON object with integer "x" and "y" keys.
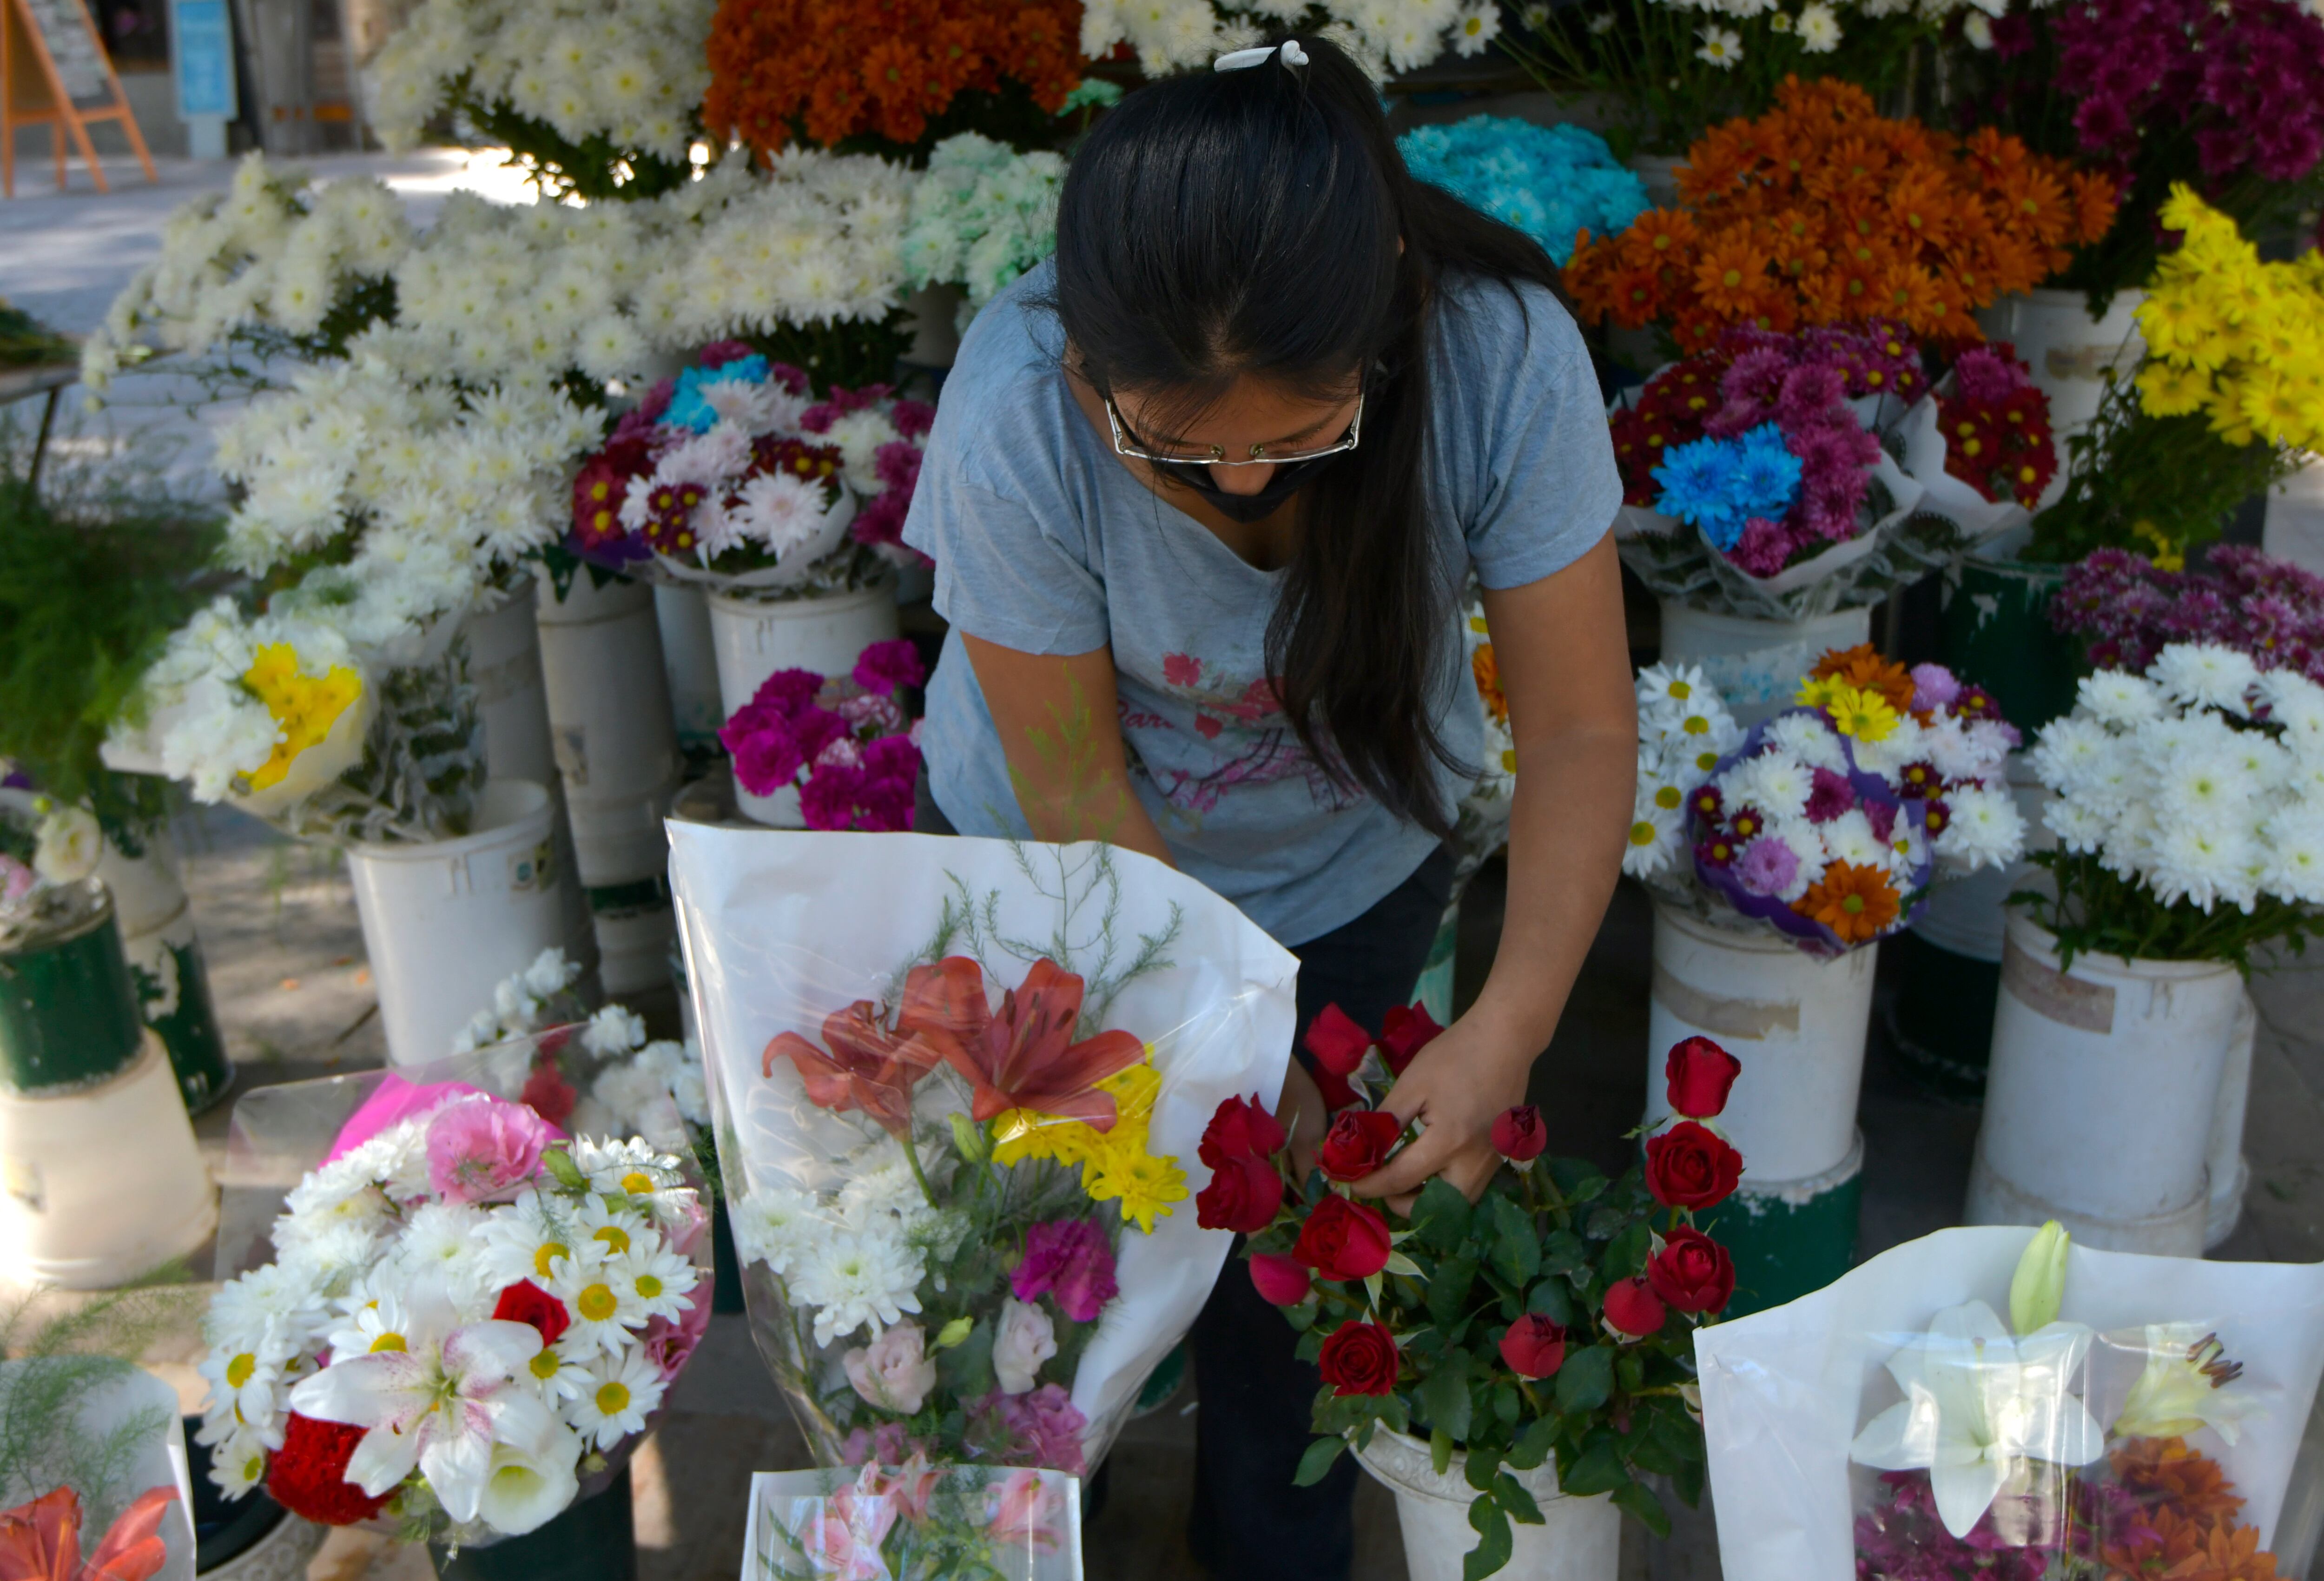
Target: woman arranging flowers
{"x": 1203, "y": 540}
{"x": 1516, "y": 1330}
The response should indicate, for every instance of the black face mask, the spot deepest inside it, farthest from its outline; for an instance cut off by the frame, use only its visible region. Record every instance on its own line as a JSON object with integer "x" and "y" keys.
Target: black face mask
{"x": 1245, "y": 508}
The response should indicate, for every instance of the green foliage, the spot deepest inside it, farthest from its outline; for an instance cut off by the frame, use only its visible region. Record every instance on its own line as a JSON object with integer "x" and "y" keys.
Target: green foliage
{"x": 26, "y": 342}
{"x": 2101, "y": 912}
{"x": 2140, "y": 482}
{"x": 93, "y": 575}
{"x": 848, "y": 352}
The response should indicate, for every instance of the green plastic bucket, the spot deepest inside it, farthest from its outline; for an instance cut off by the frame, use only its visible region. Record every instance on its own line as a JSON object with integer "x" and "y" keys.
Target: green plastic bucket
{"x": 1941, "y": 1019}
{"x": 68, "y": 1013}
{"x": 1788, "y": 1243}
{"x": 1995, "y": 632}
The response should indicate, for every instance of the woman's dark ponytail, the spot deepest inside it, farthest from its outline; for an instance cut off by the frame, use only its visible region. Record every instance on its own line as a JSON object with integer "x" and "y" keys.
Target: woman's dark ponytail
{"x": 1223, "y": 224}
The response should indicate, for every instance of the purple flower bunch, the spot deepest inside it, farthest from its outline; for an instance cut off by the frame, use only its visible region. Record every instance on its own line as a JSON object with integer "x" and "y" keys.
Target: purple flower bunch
{"x": 2127, "y": 610}
{"x": 846, "y": 742}
{"x": 1041, "y": 1427}
{"x": 1902, "y": 1538}
{"x": 1803, "y": 383}
{"x": 2249, "y": 74}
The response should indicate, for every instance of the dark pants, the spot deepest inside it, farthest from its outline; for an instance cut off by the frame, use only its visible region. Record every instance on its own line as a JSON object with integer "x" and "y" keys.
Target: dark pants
{"x": 1249, "y": 1522}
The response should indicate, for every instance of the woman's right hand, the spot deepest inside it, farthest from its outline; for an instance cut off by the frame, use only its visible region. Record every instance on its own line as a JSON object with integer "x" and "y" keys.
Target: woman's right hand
{"x": 1300, "y": 1113}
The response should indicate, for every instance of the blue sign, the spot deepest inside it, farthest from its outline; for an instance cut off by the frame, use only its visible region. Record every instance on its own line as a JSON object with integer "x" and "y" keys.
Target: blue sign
{"x": 202, "y": 43}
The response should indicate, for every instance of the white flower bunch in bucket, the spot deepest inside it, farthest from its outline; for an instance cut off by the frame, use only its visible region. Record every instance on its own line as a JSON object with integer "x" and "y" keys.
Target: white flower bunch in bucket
{"x": 2189, "y": 809}
{"x": 1684, "y": 730}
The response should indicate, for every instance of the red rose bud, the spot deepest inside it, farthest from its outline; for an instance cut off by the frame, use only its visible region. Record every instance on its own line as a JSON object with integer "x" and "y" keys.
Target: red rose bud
{"x": 1358, "y": 1142}
{"x": 1337, "y": 1042}
{"x": 1691, "y": 1272}
{"x": 307, "y": 1475}
{"x": 1701, "y": 1074}
{"x": 1358, "y": 1358}
{"x": 1243, "y": 1195}
{"x": 1280, "y": 1280}
{"x": 1633, "y": 1311}
{"x": 1518, "y": 1134}
{"x": 1239, "y": 1128}
{"x": 1405, "y": 1030}
{"x": 1691, "y": 1166}
{"x": 1343, "y": 1239}
{"x": 526, "y": 1302}
{"x": 1534, "y": 1347}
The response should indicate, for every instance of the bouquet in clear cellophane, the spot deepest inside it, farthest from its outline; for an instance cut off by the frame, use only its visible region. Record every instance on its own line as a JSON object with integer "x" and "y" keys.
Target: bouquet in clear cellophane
{"x": 958, "y": 1087}
{"x": 1997, "y": 1404}
{"x": 443, "y": 1315}
{"x": 913, "y": 1523}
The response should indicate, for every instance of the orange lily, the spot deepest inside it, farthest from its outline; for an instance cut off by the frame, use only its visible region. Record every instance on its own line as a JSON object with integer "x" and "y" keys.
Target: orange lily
{"x": 1022, "y": 1056}
{"x": 40, "y": 1541}
{"x": 870, "y": 1068}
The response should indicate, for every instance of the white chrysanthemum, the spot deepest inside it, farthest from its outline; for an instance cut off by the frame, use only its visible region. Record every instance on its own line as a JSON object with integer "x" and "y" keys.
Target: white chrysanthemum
{"x": 857, "y": 1278}
{"x": 270, "y": 1309}
{"x": 332, "y": 1257}
{"x": 1775, "y": 782}
{"x": 629, "y": 1093}
{"x": 2197, "y": 779}
{"x": 2200, "y": 861}
{"x": 1986, "y": 830}
{"x": 775, "y": 1224}
{"x": 1818, "y": 28}
{"x": 2116, "y": 697}
{"x": 2206, "y": 675}
{"x": 2080, "y": 828}
{"x": 1849, "y": 838}
{"x": 1808, "y": 737}
{"x": 882, "y": 1191}
{"x": 1905, "y": 743}
{"x": 2293, "y": 841}
{"x": 2068, "y": 750}
{"x": 781, "y": 511}
{"x": 613, "y": 1030}
{"x": 440, "y": 1243}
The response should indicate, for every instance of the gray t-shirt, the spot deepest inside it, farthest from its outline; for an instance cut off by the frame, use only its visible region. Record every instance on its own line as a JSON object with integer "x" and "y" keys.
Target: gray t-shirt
{"x": 1045, "y": 542}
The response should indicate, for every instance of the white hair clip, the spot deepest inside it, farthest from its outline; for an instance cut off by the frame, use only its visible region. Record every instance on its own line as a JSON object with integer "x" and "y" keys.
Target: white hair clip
{"x": 1293, "y": 55}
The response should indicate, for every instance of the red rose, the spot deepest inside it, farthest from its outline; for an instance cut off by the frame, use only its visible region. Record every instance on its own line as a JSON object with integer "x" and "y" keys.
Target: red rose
{"x": 1339, "y": 1045}
{"x": 1239, "y": 1128}
{"x": 1691, "y": 1166}
{"x": 1701, "y": 1074}
{"x": 1633, "y": 1311}
{"x": 1243, "y": 1195}
{"x": 1518, "y": 1134}
{"x": 1280, "y": 1280}
{"x": 307, "y": 1475}
{"x": 1691, "y": 1272}
{"x": 526, "y": 1302}
{"x": 1358, "y": 1358}
{"x": 1343, "y": 1239}
{"x": 1358, "y": 1142}
{"x": 1405, "y": 1030}
{"x": 1534, "y": 1347}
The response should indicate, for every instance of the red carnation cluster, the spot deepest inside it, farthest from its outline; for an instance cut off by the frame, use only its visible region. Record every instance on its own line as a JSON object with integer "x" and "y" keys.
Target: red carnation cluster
{"x": 307, "y": 1475}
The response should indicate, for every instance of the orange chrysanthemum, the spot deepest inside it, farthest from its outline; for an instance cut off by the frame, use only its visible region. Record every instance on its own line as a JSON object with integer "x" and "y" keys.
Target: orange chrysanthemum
{"x": 1488, "y": 672}
{"x": 1848, "y": 216}
{"x": 1862, "y": 666}
{"x": 826, "y": 71}
{"x": 1857, "y": 903}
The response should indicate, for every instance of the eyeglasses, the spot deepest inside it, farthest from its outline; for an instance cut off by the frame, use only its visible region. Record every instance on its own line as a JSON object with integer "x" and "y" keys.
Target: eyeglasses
{"x": 1125, "y": 445}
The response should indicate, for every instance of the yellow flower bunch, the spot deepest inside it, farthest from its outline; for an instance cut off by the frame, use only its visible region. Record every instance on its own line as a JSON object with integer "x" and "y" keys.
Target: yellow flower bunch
{"x": 2236, "y": 339}
{"x": 1115, "y": 1164}
{"x": 1858, "y": 711}
{"x": 304, "y": 705}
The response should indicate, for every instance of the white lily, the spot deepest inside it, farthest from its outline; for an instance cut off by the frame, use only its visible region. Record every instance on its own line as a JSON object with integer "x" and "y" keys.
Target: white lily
{"x": 2185, "y": 1387}
{"x": 1978, "y": 1404}
{"x": 530, "y": 1486}
{"x": 440, "y": 1404}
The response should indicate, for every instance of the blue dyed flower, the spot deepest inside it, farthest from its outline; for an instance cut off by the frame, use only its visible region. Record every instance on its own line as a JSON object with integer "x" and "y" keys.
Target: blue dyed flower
{"x": 690, "y": 409}
{"x": 1549, "y": 181}
{"x": 1719, "y": 486}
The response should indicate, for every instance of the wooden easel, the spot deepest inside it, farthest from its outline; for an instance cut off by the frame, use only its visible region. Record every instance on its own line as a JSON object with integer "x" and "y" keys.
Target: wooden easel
{"x": 35, "y": 90}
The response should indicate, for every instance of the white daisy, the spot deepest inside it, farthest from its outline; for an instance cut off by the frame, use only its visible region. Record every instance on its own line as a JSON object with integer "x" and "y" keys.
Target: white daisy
{"x": 238, "y": 1463}
{"x": 246, "y": 1384}
{"x": 519, "y": 1240}
{"x": 607, "y": 1162}
{"x": 1654, "y": 841}
{"x": 625, "y": 1390}
{"x": 659, "y": 1279}
{"x": 378, "y": 1322}
{"x": 562, "y": 1369}
{"x": 604, "y": 1308}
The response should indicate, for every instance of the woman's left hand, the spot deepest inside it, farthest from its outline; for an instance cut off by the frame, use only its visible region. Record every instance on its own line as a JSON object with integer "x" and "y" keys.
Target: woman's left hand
{"x": 1456, "y": 1087}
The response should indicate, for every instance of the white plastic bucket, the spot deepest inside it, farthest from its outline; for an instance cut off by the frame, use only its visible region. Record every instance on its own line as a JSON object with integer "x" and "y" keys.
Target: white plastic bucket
{"x": 633, "y": 941}
{"x": 99, "y": 1185}
{"x": 1578, "y": 1539}
{"x": 2099, "y": 1101}
{"x": 2223, "y": 1160}
{"x": 620, "y": 842}
{"x": 2068, "y": 352}
{"x": 2294, "y": 529}
{"x": 690, "y": 662}
{"x": 824, "y": 635}
{"x": 504, "y": 667}
{"x": 1757, "y": 665}
{"x": 443, "y": 922}
{"x": 933, "y": 312}
{"x": 609, "y": 715}
{"x": 1796, "y": 1021}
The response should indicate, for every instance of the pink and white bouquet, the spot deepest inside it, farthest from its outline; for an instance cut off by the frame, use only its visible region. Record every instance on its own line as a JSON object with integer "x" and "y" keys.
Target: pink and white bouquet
{"x": 959, "y": 1127}
{"x": 469, "y": 1317}
{"x": 913, "y": 1522}
{"x": 735, "y": 473}
{"x": 842, "y": 747}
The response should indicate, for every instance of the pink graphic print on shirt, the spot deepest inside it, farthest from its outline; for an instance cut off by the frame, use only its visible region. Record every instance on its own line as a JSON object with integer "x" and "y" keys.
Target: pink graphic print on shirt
{"x": 1267, "y": 749}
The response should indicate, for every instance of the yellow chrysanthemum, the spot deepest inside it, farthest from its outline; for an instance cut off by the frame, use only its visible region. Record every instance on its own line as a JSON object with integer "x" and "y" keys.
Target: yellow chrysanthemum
{"x": 2168, "y": 390}
{"x": 303, "y": 705}
{"x": 1862, "y": 712}
{"x": 1019, "y": 1134}
{"x": 1816, "y": 692}
{"x": 1146, "y": 1186}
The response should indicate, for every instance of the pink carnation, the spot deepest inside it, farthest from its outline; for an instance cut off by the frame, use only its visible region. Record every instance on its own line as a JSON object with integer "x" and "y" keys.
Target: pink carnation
{"x": 482, "y": 1149}
{"x": 1068, "y": 1261}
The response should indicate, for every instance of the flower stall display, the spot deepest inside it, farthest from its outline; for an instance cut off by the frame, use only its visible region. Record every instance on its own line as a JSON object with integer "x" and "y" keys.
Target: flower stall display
{"x": 914, "y": 1519}
{"x": 1777, "y": 486}
{"x": 2000, "y": 1403}
{"x": 2126, "y": 608}
{"x": 1824, "y": 212}
{"x": 2186, "y": 808}
{"x": 833, "y": 752}
{"x": 1385, "y": 38}
{"x": 461, "y": 1319}
{"x": 1800, "y": 850}
{"x": 2227, "y": 401}
{"x": 1554, "y": 184}
{"x": 959, "y": 1128}
{"x": 1545, "y": 1330}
